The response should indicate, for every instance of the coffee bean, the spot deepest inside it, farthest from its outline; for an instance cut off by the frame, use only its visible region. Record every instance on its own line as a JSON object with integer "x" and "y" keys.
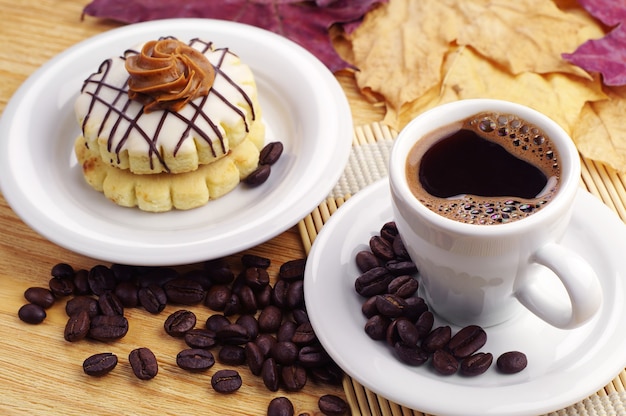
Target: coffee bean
{"x": 389, "y": 305}
{"x": 329, "y": 374}
{"x": 257, "y": 278}
{"x": 410, "y": 354}
{"x": 279, "y": 294}
{"x": 258, "y": 176}
{"x": 200, "y": 277}
{"x": 280, "y": 406}
{"x": 414, "y": 307}
{"x": 437, "y": 339}
{"x": 404, "y": 331}
{"x": 77, "y": 326}
{"x": 304, "y": 334}
{"x": 62, "y": 271}
{"x": 152, "y": 298}
{"x": 101, "y": 279}
{"x": 295, "y": 295}
{"x": 61, "y": 286}
{"x": 476, "y": 364}
{"x": 270, "y": 319}
{"x": 216, "y": 322}
{"x": 269, "y": 374}
{"x": 399, "y": 249}
{"x": 219, "y": 272}
{"x": 179, "y": 322}
{"x": 157, "y": 276}
{"x": 292, "y": 270}
{"x": 247, "y": 301}
{"x": 226, "y": 381}
{"x": 39, "y": 296}
{"x": 512, "y": 362}
{"x": 368, "y": 308}
{"x": 294, "y": 377}
{"x": 286, "y": 331}
{"x": 127, "y": 293}
{"x": 311, "y": 356}
{"x": 195, "y": 359}
{"x": 254, "y": 357}
{"x": 200, "y": 338}
{"x": 217, "y": 297}
{"x": 123, "y": 272}
{"x": 143, "y": 363}
{"x": 251, "y": 325}
{"x": 31, "y": 313}
{"x": 376, "y": 327}
{"x": 333, "y": 405}
{"x": 184, "y": 291}
{"x": 253, "y": 260}
{"x": 467, "y": 341}
{"x": 110, "y": 304}
{"x": 233, "y": 305}
{"x": 284, "y": 352}
{"x": 232, "y": 355}
{"x": 233, "y": 334}
{"x": 403, "y": 286}
{"x": 373, "y": 282}
{"x": 381, "y": 248}
{"x": 389, "y": 230}
{"x": 81, "y": 282}
{"x": 270, "y": 153}
{"x": 108, "y": 328}
{"x": 263, "y": 297}
{"x": 401, "y": 267}
{"x": 82, "y": 303}
{"x": 445, "y": 363}
{"x": 100, "y": 364}
{"x": 425, "y": 323}
{"x": 366, "y": 260}
{"x": 265, "y": 343}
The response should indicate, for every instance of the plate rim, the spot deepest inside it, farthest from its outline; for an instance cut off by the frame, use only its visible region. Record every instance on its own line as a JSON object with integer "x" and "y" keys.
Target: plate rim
{"x": 380, "y": 190}
{"x": 340, "y": 121}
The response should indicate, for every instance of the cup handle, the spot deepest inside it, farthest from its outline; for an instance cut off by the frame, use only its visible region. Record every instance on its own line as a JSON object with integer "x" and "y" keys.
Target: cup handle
{"x": 580, "y": 282}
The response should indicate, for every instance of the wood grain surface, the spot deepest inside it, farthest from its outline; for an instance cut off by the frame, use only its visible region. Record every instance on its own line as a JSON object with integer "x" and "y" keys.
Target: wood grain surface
{"x": 40, "y": 372}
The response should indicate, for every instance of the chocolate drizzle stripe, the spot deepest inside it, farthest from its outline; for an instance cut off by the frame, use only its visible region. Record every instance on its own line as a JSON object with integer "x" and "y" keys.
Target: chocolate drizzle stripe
{"x": 239, "y": 90}
{"x": 113, "y": 108}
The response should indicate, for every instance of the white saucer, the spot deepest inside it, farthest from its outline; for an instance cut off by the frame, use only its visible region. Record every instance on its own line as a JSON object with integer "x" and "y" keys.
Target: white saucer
{"x": 303, "y": 106}
{"x": 564, "y": 366}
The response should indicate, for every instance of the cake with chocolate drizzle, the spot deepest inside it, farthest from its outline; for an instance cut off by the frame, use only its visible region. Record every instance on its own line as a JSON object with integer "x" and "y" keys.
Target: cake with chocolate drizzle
{"x": 169, "y": 125}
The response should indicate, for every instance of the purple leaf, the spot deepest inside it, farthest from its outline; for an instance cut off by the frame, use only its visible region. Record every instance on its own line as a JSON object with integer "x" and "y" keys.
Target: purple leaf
{"x": 304, "y": 22}
{"x": 607, "y": 55}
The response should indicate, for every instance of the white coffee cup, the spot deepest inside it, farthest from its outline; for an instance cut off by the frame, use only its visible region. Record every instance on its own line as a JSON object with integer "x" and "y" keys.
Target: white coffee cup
{"x": 483, "y": 274}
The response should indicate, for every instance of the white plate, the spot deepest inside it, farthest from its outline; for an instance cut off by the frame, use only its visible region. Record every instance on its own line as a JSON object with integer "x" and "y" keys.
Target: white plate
{"x": 564, "y": 367}
{"x": 303, "y": 106}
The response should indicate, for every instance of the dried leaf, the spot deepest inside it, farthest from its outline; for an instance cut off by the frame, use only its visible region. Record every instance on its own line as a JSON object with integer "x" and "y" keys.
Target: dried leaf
{"x": 600, "y": 133}
{"x": 606, "y": 56}
{"x": 305, "y": 22}
{"x": 464, "y": 77}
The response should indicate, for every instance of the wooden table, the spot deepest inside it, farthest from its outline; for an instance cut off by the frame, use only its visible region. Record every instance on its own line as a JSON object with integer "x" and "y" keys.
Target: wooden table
{"x": 41, "y": 373}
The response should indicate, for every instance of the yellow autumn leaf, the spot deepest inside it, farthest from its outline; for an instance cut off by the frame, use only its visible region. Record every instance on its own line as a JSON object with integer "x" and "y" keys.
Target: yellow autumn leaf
{"x": 558, "y": 95}
{"x": 400, "y": 47}
{"x": 600, "y": 133}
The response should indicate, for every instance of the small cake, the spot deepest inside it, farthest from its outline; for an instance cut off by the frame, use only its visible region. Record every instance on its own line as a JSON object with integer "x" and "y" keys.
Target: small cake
{"x": 169, "y": 125}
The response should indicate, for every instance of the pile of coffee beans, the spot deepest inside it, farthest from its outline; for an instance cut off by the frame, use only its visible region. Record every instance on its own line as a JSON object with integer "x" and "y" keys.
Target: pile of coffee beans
{"x": 252, "y": 322}
{"x": 398, "y": 316}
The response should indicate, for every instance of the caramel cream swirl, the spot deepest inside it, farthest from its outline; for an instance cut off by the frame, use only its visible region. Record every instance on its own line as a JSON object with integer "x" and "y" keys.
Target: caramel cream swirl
{"x": 167, "y": 74}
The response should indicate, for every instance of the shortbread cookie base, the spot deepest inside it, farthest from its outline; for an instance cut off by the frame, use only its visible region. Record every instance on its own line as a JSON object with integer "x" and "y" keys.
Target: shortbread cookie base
{"x": 165, "y": 191}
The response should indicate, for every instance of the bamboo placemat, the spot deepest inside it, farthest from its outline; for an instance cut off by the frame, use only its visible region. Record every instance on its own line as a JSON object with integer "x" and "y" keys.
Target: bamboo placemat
{"x": 368, "y": 163}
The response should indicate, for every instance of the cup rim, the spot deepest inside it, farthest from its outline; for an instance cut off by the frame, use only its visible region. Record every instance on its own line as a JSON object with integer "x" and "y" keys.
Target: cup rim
{"x": 448, "y": 113}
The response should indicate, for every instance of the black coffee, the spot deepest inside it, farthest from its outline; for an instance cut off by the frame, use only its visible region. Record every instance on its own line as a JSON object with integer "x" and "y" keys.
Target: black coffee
{"x": 488, "y": 169}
